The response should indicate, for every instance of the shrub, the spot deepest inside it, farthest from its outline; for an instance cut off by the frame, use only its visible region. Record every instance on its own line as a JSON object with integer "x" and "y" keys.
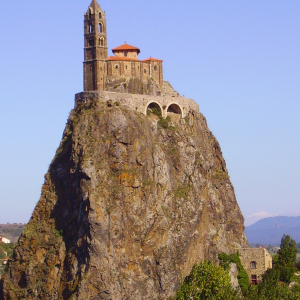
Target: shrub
{"x": 207, "y": 281}
{"x": 242, "y": 277}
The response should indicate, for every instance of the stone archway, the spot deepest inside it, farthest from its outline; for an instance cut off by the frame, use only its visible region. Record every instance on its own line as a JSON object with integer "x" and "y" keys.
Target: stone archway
{"x": 153, "y": 108}
{"x": 174, "y": 111}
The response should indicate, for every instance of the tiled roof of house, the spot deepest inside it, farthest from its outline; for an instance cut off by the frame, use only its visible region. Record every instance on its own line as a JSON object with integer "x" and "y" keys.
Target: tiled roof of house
{"x": 125, "y": 47}
{"x": 152, "y": 59}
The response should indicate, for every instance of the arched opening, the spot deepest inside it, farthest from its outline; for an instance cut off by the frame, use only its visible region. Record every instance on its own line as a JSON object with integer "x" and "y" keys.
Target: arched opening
{"x": 90, "y": 29}
{"x": 100, "y": 27}
{"x": 174, "y": 112}
{"x": 101, "y": 42}
{"x": 154, "y": 109}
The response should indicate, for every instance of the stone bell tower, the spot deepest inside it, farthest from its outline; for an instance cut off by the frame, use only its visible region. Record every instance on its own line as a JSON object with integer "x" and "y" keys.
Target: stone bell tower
{"x": 95, "y": 48}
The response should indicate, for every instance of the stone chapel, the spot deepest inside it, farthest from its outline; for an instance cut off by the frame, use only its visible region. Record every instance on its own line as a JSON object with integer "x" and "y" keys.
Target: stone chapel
{"x": 100, "y": 69}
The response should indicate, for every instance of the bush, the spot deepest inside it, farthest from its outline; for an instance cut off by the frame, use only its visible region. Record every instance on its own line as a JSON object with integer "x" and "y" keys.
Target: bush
{"x": 164, "y": 123}
{"x": 207, "y": 281}
{"x": 243, "y": 277}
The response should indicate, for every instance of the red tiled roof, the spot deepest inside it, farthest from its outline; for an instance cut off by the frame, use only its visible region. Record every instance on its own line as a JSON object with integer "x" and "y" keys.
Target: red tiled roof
{"x": 125, "y": 47}
{"x": 122, "y": 58}
{"x": 152, "y": 59}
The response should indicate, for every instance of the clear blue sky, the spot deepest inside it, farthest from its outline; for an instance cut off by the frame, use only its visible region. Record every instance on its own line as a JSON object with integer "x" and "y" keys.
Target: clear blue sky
{"x": 239, "y": 60}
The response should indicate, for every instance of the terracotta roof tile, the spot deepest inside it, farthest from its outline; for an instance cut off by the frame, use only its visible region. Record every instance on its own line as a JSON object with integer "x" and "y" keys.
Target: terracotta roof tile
{"x": 152, "y": 59}
{"x": 126, "y": 47}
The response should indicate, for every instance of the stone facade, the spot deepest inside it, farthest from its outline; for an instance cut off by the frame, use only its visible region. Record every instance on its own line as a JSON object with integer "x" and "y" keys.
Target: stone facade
{"x": 256, "y": 261}
{"x": 99, "y": 69}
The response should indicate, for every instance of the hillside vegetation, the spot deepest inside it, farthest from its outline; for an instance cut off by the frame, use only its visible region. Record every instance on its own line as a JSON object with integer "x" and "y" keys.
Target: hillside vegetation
{"x": 11, "y": 231}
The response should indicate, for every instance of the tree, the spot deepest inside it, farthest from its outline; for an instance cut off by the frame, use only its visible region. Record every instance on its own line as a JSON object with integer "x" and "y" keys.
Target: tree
{"x": 287, "y": 255}
{"x": 207, "y": 281}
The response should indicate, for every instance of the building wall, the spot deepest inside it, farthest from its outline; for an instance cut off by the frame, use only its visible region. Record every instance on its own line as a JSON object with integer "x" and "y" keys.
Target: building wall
{"x": 259, "y": 257}
{"x": 140, "y": 103}
{"x": 135, "y": 69}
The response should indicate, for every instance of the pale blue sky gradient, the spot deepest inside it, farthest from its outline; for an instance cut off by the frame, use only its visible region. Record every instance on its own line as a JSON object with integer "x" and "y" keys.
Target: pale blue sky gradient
{"x": 239, "y": 60}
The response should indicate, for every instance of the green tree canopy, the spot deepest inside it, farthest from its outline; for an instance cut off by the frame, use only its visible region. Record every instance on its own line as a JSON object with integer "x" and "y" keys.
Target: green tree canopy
{"x": 207, "y": 281}
{"x": 287, "y": 255}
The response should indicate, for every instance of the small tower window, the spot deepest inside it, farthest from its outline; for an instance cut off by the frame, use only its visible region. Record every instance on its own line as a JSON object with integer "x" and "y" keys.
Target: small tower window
{"x": 91, "y": 42}
{"x": 101, "y": 42}
{"x": 253, "y": 265}
{"x": 91, "y": 29}
{"x": 100, "y": 27}
{"x": 155, "y": 68}
{"x": 145, "y": 71}
{"x": 116, "y": 66}
{"x": 100, "y": 15}
{"x": 125, "y": 53}
{"x": 90, "y": 14}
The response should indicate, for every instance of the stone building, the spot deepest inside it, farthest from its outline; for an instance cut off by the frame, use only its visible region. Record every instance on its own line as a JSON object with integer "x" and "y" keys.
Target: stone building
{"x": 135, "y": 83}
{"x": 99, "y": 69}
{"x": 256, "y": 261}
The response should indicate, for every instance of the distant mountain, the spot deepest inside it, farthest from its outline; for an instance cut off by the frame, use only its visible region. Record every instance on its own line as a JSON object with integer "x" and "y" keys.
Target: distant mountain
{"x": 270, "y": 230}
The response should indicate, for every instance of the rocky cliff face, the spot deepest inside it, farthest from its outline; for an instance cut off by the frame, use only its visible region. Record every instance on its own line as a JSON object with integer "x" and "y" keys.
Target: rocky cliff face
{"x": 129, "y": 204}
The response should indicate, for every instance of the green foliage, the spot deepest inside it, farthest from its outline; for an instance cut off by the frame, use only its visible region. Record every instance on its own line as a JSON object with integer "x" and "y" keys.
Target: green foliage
{"x": 271, "y": 288}
{"x": 297, "y": 265}
{"x": 2, "y": 253}
{"x": 287, "y": 255}
{"x": 164, "y": 123}
{"x": 207, "y": 281}
{"x": 182, "y": 192}
{"x": 243, "y": 277}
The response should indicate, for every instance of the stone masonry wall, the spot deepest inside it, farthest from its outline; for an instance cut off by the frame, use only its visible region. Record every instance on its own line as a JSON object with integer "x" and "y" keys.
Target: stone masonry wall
{"x": 258, "y": 257}
{"x": 139, "y": 102}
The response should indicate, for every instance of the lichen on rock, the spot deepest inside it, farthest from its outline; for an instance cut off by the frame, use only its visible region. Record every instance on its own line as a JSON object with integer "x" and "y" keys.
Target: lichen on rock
{"x": 127, "y": 208}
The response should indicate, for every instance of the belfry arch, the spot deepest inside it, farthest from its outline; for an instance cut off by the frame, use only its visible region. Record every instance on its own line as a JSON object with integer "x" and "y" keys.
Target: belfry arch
{"x": 154, "y": 108}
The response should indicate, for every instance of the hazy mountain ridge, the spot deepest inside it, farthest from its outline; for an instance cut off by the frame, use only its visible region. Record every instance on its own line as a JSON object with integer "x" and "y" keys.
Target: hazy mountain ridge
{"x": 270, "y": 230}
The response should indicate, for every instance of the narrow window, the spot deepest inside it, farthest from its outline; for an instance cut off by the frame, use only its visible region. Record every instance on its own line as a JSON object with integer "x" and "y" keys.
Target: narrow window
{"x": 100, "y": 15}
{"x": 116, "y": 66}
{"x": 126, "y": 67}
{"x": 125, "y": 53}
{"x": 91, "y": 29}
{"x": 100, "y": 27}
{"x": 145, "y": 71}
{"x": 90, "y": 14}
{"x": 253, "y": 265}
{"x": 155, "y": 68}
{"x": 91, "y": 42}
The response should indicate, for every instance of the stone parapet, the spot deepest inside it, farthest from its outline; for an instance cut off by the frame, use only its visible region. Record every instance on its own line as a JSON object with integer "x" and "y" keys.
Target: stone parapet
{"x": 139, "y": 102}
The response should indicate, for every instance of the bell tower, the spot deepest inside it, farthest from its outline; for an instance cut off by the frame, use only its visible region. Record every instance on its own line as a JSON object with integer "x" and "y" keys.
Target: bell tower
{"x": 95, "y": 48}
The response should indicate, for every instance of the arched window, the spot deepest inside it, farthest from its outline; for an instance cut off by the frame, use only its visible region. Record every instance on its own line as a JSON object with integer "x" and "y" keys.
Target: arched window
{"x": 100, "y": 15}
{"x": 100, "y": 27}
{"x": 253, "y": 265}
{"x": 91, "y": 29}
{"x": 116, "y": 66}
{"x": 101, "y": 42}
